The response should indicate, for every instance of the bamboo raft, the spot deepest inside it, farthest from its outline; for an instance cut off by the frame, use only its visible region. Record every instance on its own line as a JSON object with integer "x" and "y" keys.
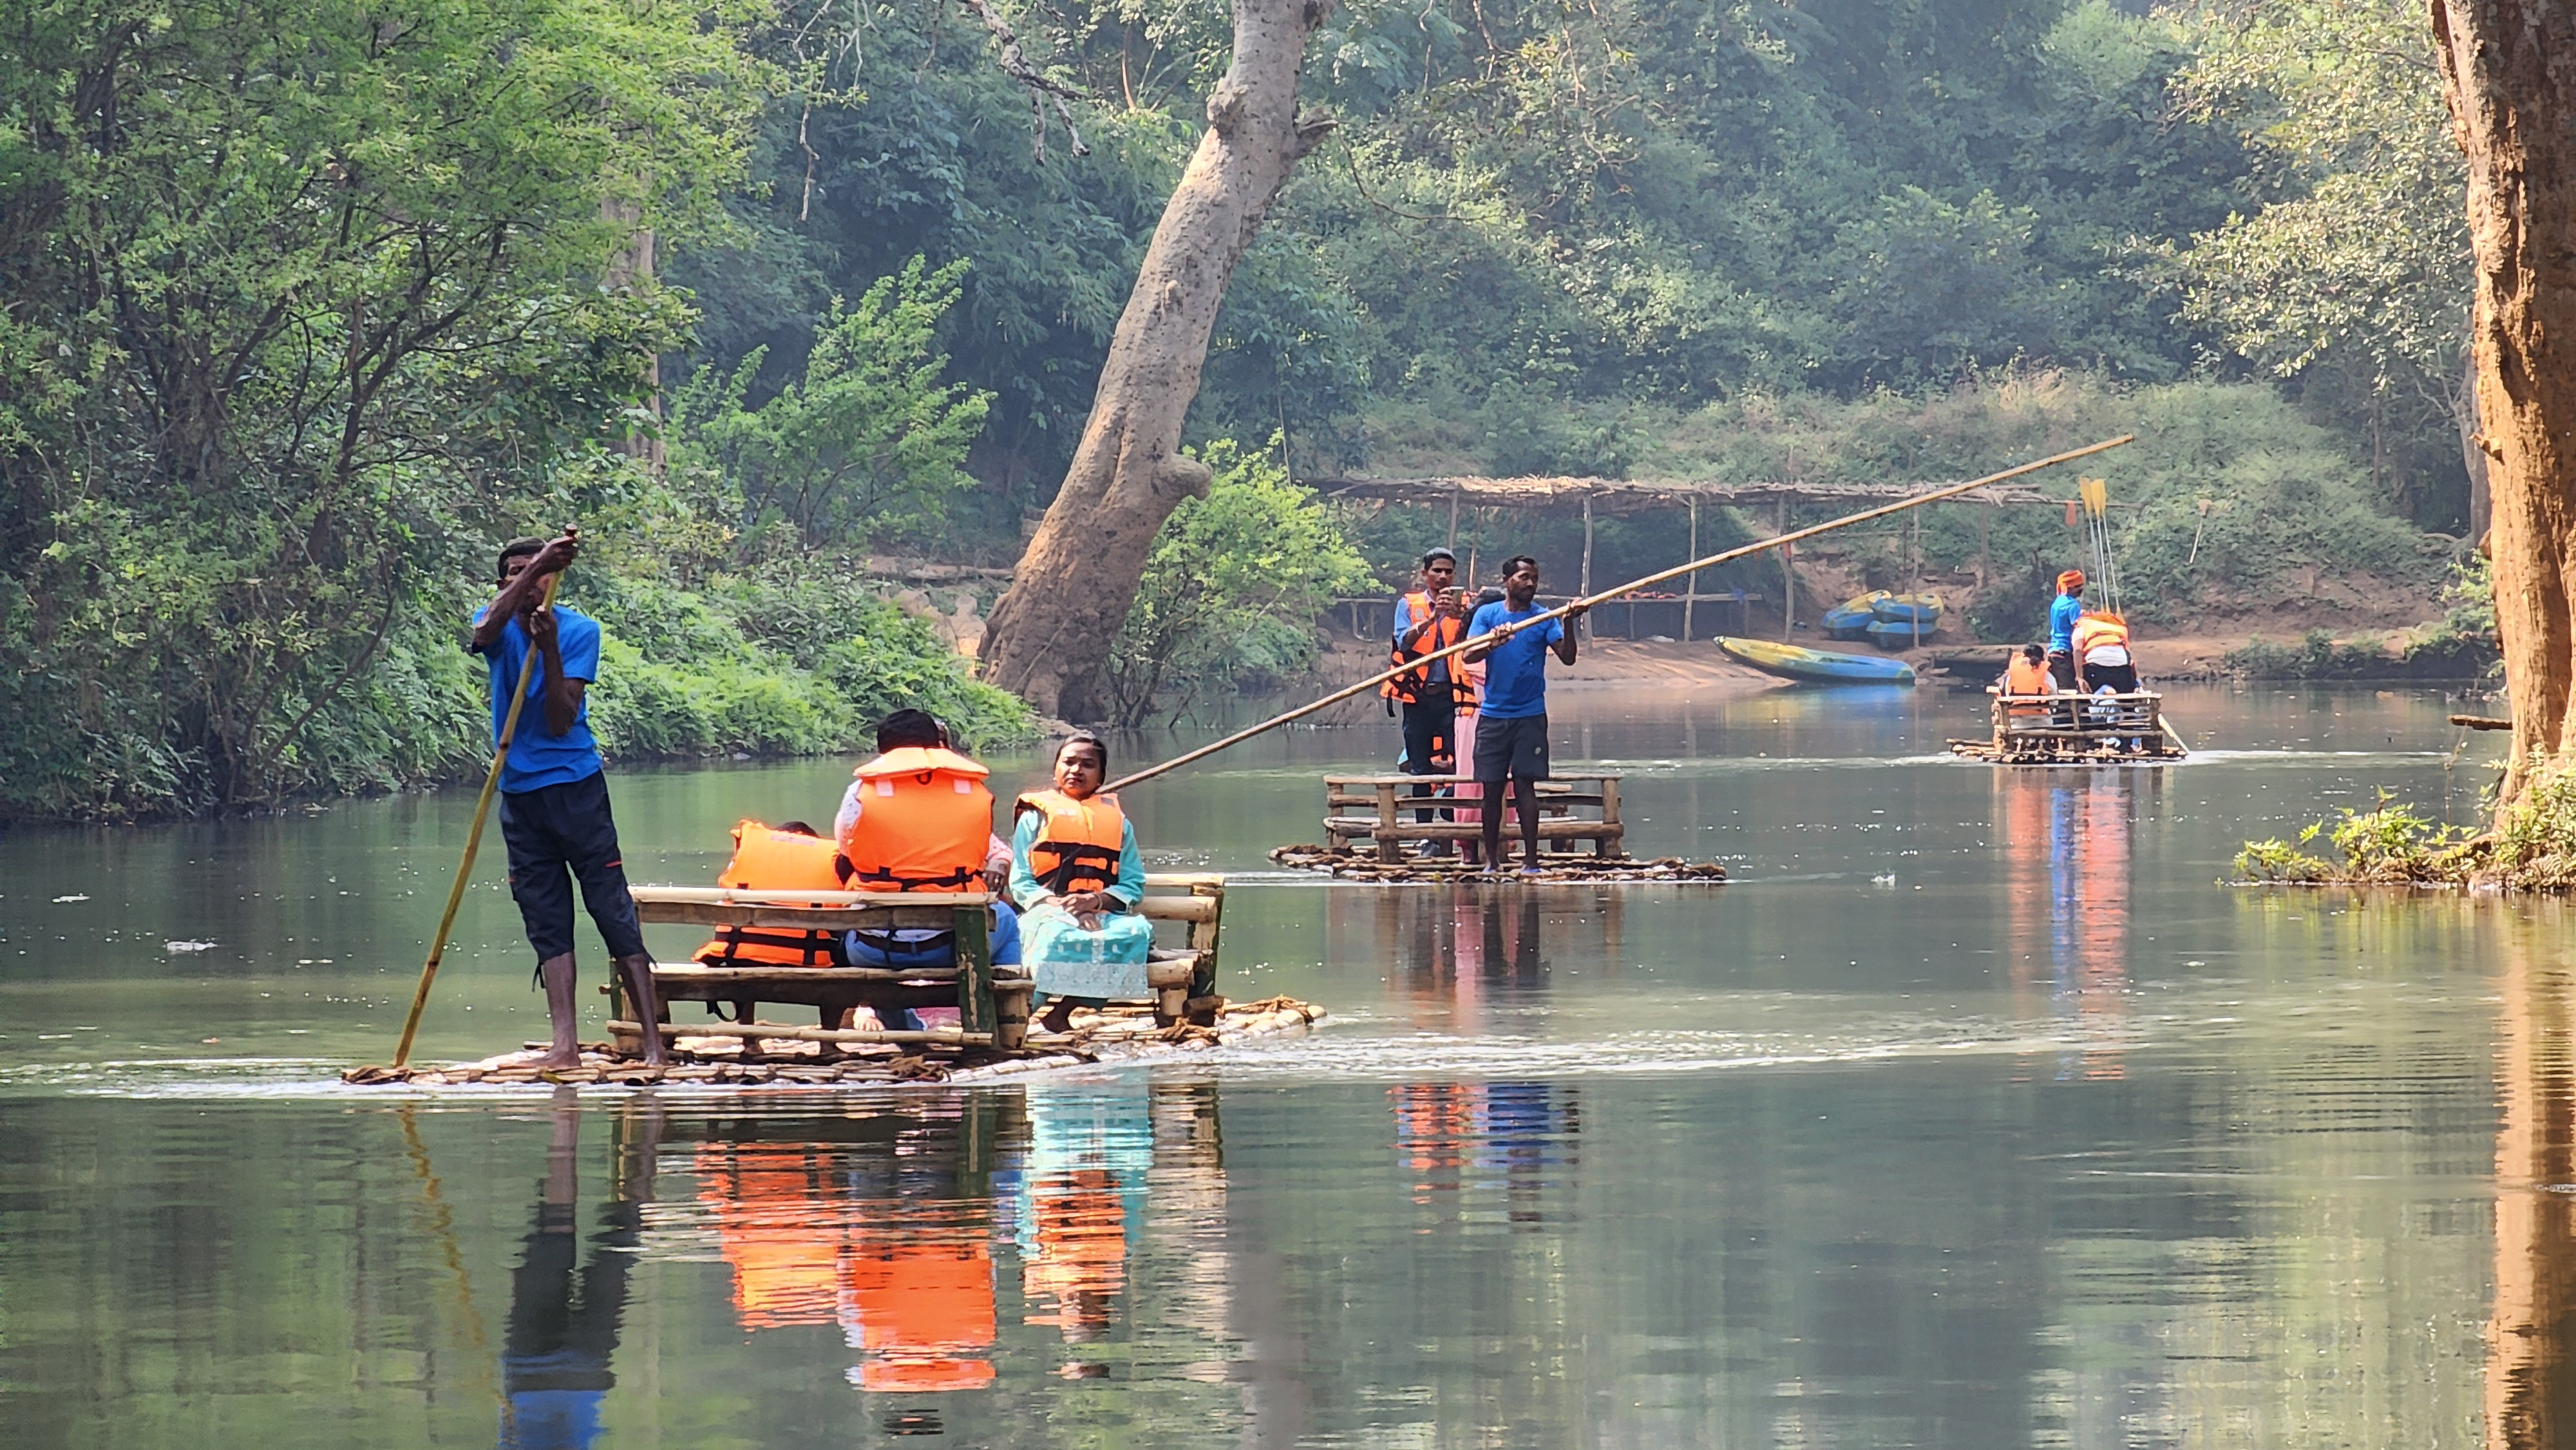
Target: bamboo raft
{"x": 1114, "y": 1034}
{"x": 1344, "y": 864}
{"x": 1182, "y": 1008}
{"x": 2074, "y": 729}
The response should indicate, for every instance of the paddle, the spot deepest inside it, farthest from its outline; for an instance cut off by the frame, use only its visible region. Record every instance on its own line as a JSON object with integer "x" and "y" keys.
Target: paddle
{"x": 1631, "y": 587}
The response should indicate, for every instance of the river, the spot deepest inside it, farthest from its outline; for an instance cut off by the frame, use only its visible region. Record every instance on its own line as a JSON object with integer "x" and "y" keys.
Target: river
{"x": 1974, "y": 1113}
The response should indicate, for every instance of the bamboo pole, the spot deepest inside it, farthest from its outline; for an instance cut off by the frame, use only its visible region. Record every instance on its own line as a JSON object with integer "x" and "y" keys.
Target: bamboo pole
{"x": 473, "y": 839}
{"x": 1632, "y": 586}
{"x": 778, "y": 1032}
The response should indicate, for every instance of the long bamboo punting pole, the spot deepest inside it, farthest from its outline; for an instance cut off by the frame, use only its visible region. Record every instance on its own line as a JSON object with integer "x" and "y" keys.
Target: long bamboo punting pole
{"x": 473, "y": 840}
{"x": 1631, "y": 587}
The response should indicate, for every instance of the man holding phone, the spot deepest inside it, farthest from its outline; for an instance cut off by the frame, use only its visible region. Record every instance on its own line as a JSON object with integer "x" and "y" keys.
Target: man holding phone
{"x": 1426, "y": 621}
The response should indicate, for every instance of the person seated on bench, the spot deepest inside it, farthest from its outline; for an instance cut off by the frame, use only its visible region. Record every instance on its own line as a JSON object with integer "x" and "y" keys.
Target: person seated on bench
{"x": 777, "y": 858}
{"x": 2027, "y": 675}
{"x": 918, "y": 818}
{"x": 1077, "y": 876}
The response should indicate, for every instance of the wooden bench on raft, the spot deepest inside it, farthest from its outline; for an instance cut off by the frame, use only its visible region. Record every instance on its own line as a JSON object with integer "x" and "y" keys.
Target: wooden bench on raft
{"x": 2071, "y": 729}
{"x": 1390, "y": 822}
{"x": 992, "y": 1005}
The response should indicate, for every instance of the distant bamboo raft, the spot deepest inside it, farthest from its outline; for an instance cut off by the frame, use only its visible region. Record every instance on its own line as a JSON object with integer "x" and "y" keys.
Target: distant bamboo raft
{"x": 2071, "y": 729}
{"x": 1348, "y": 865}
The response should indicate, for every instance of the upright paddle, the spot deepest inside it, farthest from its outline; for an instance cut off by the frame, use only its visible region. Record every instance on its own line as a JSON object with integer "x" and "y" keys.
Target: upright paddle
{"x": 1631, "y": 587}
{"x": 473, "y": 838}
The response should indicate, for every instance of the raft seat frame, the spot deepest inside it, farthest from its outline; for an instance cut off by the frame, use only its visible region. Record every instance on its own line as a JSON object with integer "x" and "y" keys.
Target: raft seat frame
{"x": 992, "y": 1004}
{"x": 2071, "y": 729}
{"x": 1389, "y": 825}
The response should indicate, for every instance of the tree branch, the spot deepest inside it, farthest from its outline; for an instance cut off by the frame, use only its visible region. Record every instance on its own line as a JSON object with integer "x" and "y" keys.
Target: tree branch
{"x": 1015, "y": 64}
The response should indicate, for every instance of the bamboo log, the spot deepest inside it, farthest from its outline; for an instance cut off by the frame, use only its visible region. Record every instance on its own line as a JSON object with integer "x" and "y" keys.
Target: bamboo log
{"x": 773, "y": 1032}
{"x": 1632, "y": 586}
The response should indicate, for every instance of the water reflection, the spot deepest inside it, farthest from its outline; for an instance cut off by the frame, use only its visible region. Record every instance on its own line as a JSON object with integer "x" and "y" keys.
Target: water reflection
{"x": 2531, "y": 1339}
{"x": 1465, "y": 1141}
{"x": 564, "y": 1319}
{"x": 2065, "y": 836}
{"x": 922, "y": 1231}
{"x": 1454, "y": 955}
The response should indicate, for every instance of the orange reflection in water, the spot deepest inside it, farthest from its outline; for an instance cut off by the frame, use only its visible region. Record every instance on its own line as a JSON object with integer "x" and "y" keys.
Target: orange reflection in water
{"x": 909, "y": 1281}
{"x": 2065, "y": 837}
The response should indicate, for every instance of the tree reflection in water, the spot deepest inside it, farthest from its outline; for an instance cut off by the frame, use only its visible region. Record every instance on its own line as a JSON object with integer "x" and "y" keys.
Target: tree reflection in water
{"x": 2531, "y": 1340}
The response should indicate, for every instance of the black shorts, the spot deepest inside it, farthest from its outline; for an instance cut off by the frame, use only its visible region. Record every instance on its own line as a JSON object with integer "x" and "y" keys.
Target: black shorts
{"x": 2121, "y": 678}
{"x": 1514, "y": 748}
{"x": 557, "y": 834}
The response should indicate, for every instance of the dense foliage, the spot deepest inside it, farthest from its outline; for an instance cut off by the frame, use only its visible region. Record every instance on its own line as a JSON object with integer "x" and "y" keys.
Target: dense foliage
{"x": 304, "y": 307}
{"x": 1231, "y": 589}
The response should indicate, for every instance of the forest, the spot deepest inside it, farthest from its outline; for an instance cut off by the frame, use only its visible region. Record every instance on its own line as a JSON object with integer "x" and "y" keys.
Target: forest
{"x": 305, "y": 307}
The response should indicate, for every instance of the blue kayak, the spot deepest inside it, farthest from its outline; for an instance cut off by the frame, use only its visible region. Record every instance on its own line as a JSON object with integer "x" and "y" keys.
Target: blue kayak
{"x": 1924, "y": 609}
{"x": 1900, "y": 634}
{"x": 1850, "y": 619}
{"x": 1817, "y": 666}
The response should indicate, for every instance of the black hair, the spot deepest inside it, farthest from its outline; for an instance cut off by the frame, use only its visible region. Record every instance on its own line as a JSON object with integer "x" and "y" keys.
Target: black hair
{"x": 2033, "y": 652}
{"x": 798, "y": 828}
{"x": 1085, "y": 737}
{"x": 1513, "y": 564}
{"x": 909, "y": 728}
{"x": 1436, "y": 552}
{"x": 515, "y": 549}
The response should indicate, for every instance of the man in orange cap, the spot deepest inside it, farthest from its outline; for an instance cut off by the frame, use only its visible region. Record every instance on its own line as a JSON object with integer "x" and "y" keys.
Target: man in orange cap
{"x": 2062, "y": 615}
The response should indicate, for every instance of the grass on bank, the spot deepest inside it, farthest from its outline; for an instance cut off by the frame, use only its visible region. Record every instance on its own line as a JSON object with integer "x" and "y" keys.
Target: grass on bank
{"x": 2392, "y": 844}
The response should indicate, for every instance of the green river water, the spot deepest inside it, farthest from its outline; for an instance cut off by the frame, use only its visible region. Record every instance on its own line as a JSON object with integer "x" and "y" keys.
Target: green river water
{"x": 1973, "y": 1113}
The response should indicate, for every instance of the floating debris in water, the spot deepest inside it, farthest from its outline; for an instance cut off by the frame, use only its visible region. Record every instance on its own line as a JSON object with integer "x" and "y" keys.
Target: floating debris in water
{"x": 59, "y": 900}
{"x": 1347, "y": 865}
{"x": 1887, "y": 880}
{"x": 175, "y": 947}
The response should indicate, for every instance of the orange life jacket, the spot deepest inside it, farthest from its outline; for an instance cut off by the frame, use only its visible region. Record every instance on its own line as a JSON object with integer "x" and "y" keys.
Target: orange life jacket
{"x": 2022, "y": 677}
{"x": 2093, "y": 631}
{"x": 778, "y": 861}
{"x": 924, "y": 822}
{"x": 1078, "y": 842}
{"x": 1408, "y": 688}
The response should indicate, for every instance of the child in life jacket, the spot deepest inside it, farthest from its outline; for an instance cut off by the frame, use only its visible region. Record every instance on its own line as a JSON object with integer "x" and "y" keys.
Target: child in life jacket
{"x": 1077, "y": 876}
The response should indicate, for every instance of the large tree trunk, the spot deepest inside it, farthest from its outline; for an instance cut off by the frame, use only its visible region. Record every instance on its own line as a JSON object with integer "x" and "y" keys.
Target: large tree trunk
{"x": 2513, "y": 107}
{"x": 1050, "y": 634}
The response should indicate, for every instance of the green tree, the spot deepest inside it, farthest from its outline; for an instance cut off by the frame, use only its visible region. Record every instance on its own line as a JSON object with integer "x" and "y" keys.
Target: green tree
{"x": 299, "y": 295}
{"x": 869, "y": 439}
{"x": 1232, "y": 590}
{"x": 2357, "y": 258}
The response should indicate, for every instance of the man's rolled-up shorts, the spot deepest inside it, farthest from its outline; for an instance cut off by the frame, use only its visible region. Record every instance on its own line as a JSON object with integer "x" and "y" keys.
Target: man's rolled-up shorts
{"x": 1515, "y": 748}
{"x": 558, "y": 834}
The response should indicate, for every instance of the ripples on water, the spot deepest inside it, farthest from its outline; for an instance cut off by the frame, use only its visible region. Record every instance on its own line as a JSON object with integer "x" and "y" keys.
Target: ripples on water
{"x": 1973, "y": 1114}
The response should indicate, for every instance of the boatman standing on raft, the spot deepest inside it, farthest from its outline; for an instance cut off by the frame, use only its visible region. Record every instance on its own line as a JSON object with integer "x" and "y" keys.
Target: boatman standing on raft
{"x": 554, "y": 791}
{"x": 1511, "y": 723}
{"x": 2063, "y": 612}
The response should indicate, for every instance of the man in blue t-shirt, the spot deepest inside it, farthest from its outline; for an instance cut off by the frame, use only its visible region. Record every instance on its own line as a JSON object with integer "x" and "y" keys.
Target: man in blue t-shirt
{"x": 1511, "y": 723}
{"x": 554, "y": 794}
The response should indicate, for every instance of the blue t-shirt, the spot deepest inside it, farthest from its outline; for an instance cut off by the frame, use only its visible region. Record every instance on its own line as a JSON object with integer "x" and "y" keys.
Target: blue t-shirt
{"x": 2061, "y": 621}
{"x": 536, "y": 758}
{"x": 1516, "y": 672}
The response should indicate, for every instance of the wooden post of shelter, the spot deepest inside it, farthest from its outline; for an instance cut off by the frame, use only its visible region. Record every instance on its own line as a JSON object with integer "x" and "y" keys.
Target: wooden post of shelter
{"x": 1690, "y": 590}
{"x": 1788, "y": 574}
{"x": 1587, "y": 565}
{"x": 1453, "y": 518}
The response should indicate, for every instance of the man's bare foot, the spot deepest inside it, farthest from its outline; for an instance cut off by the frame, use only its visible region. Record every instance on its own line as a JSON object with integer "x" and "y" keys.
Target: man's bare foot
{"x": 562, "y": 1054}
